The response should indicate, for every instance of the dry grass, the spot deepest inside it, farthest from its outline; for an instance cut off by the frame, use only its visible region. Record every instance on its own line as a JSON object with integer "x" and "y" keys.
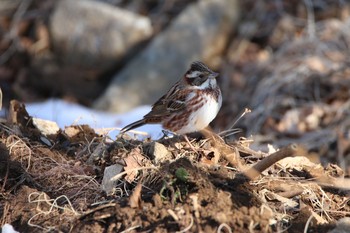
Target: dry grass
{"x": 301, "y": 95}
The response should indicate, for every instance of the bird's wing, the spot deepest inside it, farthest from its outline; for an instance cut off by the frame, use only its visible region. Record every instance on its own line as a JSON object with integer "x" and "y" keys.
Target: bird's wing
{"x": 173, "y": 101}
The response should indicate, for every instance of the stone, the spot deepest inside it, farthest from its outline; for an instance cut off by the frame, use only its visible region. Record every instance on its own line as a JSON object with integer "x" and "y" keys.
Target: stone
{"x": 200, "y": 32}
{"x": 107, "y": 185}
{"x": 46, "y": 127}
{"x": 97, "y": 153}
{"x": 158, "y": 152}
{"x": 343, "y": 226}
{"x": 9, "y": 7}
{"x": 94, "y": 34}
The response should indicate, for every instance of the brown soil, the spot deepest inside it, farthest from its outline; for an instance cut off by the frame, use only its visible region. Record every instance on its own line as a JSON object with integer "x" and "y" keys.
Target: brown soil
{"x": 54, "y": 183}
{"x": 58, "y": 187}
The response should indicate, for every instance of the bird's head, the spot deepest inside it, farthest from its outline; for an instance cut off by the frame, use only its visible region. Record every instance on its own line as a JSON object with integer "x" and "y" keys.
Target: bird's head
{"x": 201, "y": 76}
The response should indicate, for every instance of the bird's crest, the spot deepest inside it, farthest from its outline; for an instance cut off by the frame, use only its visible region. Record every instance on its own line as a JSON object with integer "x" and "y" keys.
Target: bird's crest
{"x": 199, "y": 66}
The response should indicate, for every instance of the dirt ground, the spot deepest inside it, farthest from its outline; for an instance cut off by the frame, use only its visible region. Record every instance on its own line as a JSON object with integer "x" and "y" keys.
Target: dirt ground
{"x": 291, "y": 69}
{"x": 54, "y": 183}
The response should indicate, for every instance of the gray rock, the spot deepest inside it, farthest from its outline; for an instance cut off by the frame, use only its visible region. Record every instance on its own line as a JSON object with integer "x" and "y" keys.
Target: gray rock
{"x": 98, "y": 153}
{"x": 343, "y": 226}
{"x": 159, "y": 152}
{"x": 107, "y": 185}
{"x": 91, "y": 33}
{"x": 200, "y": 32}
{"x": 9, "y": 6}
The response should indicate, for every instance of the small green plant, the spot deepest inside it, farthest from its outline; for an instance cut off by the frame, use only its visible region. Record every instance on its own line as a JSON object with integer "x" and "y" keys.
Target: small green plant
{"x": 174, "y": 187}
{"x": 181, "y": 174}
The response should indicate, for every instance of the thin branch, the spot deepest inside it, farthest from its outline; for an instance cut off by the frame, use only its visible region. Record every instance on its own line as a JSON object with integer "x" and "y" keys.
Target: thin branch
{"x": 289, "y": 151}
{"x": 118, "y": 176}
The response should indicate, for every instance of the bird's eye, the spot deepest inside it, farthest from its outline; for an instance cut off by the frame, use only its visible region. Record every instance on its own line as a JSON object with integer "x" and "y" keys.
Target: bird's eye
{"x": 201, "y": 76}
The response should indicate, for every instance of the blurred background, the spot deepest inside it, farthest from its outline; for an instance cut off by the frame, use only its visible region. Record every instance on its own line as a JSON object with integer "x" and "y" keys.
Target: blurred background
{"x": 286, "y": 60}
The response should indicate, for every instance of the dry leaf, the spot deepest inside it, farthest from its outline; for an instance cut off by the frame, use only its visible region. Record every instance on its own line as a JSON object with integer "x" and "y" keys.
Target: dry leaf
{"x": 271, "y": 196}
{"x": 210, "y": 157}
{"x": 134, "y": 160}
{"x": 318, "y": 218}
{"x": 135, "y": 198}
{"x": 298, "y": 163}
{"x": 46, "y": 127}
{"x": 18, "y": 113}
{"x": 80, "y": 133}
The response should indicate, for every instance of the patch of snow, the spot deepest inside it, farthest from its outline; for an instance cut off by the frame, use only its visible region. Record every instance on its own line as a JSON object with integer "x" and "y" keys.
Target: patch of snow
{"x": 7, "y": 228}
{"x": 66, "y": 114}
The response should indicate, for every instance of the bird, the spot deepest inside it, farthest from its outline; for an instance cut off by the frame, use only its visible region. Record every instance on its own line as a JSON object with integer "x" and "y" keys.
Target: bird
{"x": 188, "y": 106}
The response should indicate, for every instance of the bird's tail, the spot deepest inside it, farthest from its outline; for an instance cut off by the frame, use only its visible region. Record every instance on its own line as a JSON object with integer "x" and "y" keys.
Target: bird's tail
{"x": 133, "y": 125}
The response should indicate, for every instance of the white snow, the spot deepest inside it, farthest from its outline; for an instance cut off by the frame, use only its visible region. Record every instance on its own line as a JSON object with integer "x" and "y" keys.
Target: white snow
{"x": 66, "y": 114}
{"x": 7, "y": 228}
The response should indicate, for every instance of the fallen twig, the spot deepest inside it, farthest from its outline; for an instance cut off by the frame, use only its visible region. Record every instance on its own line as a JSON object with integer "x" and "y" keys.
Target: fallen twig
{"x": 97, "y": 209}
{"x": 289, "y": 151}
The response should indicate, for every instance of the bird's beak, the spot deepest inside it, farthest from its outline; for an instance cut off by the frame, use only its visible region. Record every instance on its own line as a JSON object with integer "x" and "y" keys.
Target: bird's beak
{"x": 214, "y": 75}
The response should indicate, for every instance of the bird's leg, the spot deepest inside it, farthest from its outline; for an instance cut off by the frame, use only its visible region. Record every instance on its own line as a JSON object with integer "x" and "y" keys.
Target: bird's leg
{"x": 166, "y": 134}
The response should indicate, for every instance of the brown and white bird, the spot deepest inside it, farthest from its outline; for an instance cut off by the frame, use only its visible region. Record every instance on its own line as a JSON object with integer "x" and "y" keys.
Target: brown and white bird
{"x": 190, "y": 104}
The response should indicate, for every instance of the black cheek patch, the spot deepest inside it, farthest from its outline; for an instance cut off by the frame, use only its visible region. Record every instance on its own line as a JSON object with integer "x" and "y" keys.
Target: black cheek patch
{"x": 198, "y": 81}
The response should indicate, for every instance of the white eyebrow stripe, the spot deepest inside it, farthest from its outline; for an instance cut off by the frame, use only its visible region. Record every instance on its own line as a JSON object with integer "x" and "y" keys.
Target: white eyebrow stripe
{"x": 193, "y": 74}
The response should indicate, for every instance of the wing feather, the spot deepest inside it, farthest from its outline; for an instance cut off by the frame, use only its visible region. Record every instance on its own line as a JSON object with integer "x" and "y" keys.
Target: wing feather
{"x": 173, "y": 101}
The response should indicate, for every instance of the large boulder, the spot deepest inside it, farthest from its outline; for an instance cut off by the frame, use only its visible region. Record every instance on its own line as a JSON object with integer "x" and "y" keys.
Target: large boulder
{"x": 200, "y": 32}
{"x": 95, "y": 34}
